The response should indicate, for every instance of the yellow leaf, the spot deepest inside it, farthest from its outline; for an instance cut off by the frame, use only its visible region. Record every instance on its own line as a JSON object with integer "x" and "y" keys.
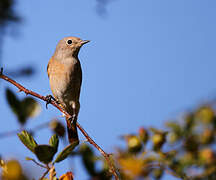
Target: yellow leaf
{"x": 12, "y": 170}
{"x": 132, "y": 166}
{"x": 67, "y": 176}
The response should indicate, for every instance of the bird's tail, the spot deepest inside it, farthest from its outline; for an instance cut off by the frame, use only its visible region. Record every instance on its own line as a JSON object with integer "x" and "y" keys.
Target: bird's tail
{"x": 72, "y": 131}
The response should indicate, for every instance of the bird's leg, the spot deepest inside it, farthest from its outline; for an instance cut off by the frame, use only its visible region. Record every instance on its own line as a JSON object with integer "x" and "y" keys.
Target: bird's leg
{"x": 72, "y": 127}
{"x": 73, "y": 118}
{"x": 49, "y": 98}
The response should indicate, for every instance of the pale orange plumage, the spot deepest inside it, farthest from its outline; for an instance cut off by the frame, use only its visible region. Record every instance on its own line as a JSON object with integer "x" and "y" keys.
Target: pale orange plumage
{"x": 65, "y": 76}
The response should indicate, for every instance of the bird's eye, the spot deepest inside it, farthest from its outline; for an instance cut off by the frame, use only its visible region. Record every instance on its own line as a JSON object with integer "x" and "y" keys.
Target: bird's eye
{"x": 69, "y": 42}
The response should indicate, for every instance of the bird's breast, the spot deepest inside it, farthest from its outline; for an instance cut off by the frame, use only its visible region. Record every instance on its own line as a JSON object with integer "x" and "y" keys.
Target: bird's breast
{"x": 65, "y": 82}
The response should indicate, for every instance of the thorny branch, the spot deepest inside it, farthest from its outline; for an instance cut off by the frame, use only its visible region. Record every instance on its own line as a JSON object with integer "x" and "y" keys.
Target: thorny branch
{"x": 54, "y": 103}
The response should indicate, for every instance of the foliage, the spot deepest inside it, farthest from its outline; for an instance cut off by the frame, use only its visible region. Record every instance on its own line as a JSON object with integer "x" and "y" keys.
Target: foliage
{"x": 7, "y": 13}
{"x": 23, "y": 109}
{"x": 44, "y": 152}
{"x": 184, "y": 148}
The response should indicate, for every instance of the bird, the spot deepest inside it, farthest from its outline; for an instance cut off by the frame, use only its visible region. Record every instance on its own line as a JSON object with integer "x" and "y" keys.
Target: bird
{"x": 65, "y": 78}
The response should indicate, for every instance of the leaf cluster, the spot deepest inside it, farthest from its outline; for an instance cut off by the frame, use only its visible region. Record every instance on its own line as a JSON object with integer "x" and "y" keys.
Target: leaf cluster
{"x": 46, "y": 152}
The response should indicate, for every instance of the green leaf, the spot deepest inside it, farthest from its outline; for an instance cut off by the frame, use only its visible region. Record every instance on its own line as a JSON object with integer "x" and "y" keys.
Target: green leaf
{"x": 54, "y": 142}
{"x": 175, "y": 127}
{"x": 24, "y": 109}
{"x": 30, "y": 107}
{"x": 45, "y": 153}
{"x": 66, "y": 151}
{"x": 13, "y": 101}
{"x": 57, "y": 127}
{"x": 27, "y": 140}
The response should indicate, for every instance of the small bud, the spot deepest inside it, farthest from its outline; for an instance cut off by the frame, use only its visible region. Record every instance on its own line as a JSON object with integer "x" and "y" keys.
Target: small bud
{"x": 205, "y": 114}
{"x": 157, "y": 173}
{"x": 207, "y": 136}
{"x": 57, "y": 128}
{"x": 143, "y": 133}
{"x": 207, "y": 156}
{"x": 134, "y": 144}
{"x": 158, "y": 140}
{"x": 191, "y": 144}
{"x": 173, "y": 137}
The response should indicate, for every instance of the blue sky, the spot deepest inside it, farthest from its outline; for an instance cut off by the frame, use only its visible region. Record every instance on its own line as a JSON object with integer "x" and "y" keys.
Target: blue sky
{"x": 147, "y": 62}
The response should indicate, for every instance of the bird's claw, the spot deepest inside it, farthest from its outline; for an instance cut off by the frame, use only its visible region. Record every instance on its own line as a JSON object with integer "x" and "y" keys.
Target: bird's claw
{"x": 49, "y": 98}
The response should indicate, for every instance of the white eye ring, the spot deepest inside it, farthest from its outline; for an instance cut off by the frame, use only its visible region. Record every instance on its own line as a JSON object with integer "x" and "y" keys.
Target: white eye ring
{"x": 69, "y": 42}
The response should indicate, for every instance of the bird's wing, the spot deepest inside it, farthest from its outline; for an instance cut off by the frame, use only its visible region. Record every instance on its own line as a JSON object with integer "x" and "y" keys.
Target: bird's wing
{"x": 48, "y": 67}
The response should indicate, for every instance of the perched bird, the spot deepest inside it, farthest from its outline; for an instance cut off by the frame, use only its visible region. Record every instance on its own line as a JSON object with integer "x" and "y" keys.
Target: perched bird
{"x": 65, "y": 77}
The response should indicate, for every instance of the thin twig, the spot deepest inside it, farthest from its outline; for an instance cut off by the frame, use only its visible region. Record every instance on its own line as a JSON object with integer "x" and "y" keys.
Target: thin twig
{"x": 91, "y": 141}
{"x": 45, "y": 173}
{"x": 41, "y": 165}
{"x": 14, "y": 132}
{"x": 105, "y": 155}
{"x": 40, "y": 126}
{"x": 9, "y": 133}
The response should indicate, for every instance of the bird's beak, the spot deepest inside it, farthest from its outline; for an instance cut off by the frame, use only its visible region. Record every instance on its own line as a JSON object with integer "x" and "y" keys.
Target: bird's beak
{"x": 84, "y": 41}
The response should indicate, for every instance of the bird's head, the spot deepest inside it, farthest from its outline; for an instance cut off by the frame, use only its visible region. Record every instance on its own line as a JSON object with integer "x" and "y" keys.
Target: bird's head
{"x": 69, "y": 46}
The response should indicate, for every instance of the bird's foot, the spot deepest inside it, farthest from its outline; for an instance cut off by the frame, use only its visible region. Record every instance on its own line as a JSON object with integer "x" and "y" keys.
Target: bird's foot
{"x": 49, "y": 98}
